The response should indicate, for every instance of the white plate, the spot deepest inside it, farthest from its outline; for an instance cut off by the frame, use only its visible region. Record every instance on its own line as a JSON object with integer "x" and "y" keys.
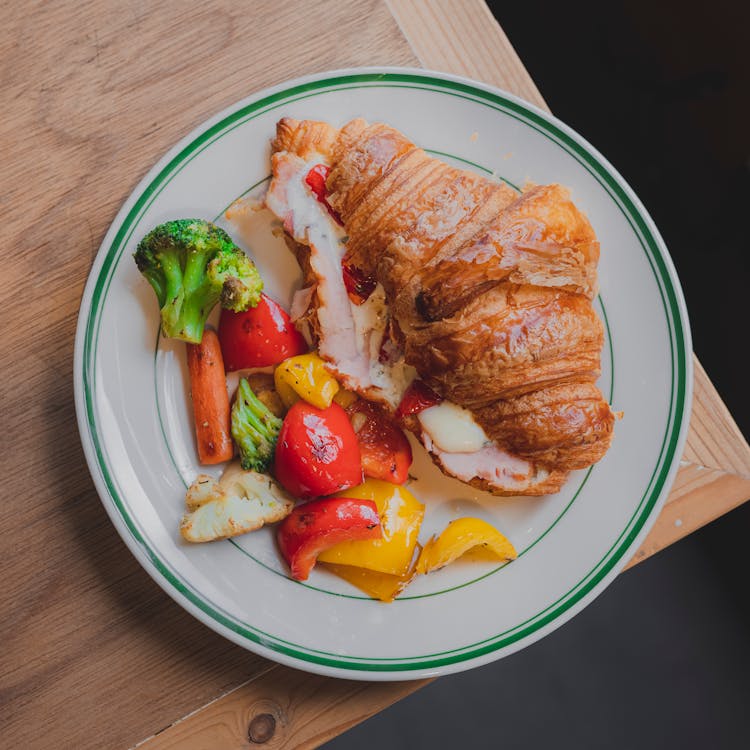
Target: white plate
{"x": 134, "y": 418}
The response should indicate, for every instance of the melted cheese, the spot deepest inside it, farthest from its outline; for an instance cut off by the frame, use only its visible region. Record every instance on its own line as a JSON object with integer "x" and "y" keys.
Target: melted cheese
{"x": 453, "y": 428}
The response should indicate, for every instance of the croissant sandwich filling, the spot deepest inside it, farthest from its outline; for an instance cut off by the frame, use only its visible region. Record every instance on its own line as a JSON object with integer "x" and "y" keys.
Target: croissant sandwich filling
{"x": 414, "y": 269}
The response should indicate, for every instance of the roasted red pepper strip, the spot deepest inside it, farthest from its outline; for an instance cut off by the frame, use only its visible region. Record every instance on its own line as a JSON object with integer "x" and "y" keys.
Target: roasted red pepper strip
{"x": 385, "y": 450}
{"x": 315, "y": 526}
{"x": 418, "y": 397}
{"x": 358, "y": 285}
{"x": 316, "y": 181}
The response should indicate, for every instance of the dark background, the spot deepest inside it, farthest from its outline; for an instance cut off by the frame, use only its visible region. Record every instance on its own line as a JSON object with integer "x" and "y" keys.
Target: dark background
{"x": 662, "y": 658}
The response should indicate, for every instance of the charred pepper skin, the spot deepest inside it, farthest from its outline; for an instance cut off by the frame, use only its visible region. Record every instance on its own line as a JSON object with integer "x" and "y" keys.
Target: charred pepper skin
{"x": 319, "y": 524}
{"x": 317, "y": 452}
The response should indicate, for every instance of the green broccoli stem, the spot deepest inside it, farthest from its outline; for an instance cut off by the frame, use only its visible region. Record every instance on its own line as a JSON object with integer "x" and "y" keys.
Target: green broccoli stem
{"x": 191, "y": 327}
{"x": 155, "y": 277}
{"x": 169, "y": 261}
{"x": 174, "y": 292}
{"x": 194, "y": 313}
{"x": 197, "y": 259}
{"x": 254, "y": 428}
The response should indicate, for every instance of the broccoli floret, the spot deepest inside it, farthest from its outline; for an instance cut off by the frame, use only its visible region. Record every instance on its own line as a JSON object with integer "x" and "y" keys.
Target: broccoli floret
{"x": 192, "y": 264}
{"x": 254, "y": 428}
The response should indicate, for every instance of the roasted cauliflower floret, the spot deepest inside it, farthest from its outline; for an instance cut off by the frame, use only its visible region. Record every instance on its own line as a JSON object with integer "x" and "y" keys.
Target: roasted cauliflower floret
{"x": 241, "y": 501}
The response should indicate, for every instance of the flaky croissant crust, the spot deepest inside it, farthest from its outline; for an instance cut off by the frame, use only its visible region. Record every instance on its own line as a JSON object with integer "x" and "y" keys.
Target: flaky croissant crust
{"x": 491, "y": 290}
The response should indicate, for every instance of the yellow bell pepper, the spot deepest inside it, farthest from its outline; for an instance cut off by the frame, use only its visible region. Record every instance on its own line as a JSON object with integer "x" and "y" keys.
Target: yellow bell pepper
{"x": 305, "y": 376}
{"x": 459, "y": 537}
{"x": 383, "y": 586}
{"x": 401, "y": 516}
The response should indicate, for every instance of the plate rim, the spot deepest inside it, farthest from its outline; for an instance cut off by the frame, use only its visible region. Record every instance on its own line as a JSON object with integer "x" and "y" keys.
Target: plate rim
{"x": 403, "y": 670}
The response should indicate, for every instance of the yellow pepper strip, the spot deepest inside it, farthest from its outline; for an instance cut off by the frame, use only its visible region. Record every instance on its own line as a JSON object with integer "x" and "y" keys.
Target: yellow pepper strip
{"x": 344, "y": 398}
{"x": 459, "y": 537}
{"x": 305, "y": 377}
{"x": 383, "y": 586}
{"x": 401, "y": 516}
{"x": 286, "y": 393}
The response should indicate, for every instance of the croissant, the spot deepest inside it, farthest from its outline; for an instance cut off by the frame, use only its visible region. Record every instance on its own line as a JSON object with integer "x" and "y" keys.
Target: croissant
{"x": 483, "y": 293}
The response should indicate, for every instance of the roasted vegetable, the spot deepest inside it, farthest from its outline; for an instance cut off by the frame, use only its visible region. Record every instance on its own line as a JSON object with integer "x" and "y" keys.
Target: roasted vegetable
{"x": 383, "y": 586}
{"x": 313, "y": 527}
{"x": 460, "y": 536}
{"x": 401, "y": 516}
{"x": 317, "y": 451}
{"x": 385, "y": 450}
{"x": 265, "y": 391}
{"x": 208, "y": 391}
{"x": 417, "y": 398}
{"x": 192, "y": 265}
{"x": 305, "y": 376}
{"x": 254, "y": 429}
{"x": 241, "y": 501}
{"x": 316, "y": 181}
{"x": 261, "y": 336}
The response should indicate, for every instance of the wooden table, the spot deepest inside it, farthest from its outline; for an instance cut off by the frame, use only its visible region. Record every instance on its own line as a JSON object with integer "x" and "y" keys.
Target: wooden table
{"x": 94, "y": 654}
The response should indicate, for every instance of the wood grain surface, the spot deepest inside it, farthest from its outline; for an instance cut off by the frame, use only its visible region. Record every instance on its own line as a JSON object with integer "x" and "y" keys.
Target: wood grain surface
{"x": 95, "y": 655}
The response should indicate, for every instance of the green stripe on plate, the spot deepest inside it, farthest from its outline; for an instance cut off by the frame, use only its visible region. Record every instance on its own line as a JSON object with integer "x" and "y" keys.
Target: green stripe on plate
{"x": 659, "y": 265}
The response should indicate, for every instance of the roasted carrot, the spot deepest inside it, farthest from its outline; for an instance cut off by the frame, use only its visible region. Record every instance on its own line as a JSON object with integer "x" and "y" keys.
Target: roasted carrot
{"x": 208, "y": 389}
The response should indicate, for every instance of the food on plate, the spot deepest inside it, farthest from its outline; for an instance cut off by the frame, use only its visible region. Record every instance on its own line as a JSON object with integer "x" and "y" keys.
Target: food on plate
{"x": 192, "y": 265}
{"x": 316, "y": 181}
{"x": 262, "y": 385}
{"x": 296, "y": 423}
{"x": 344, "y": 398}
{"x": 305, "y": 377}
{"x": 241, "y": 501}
{"x": 384, "y": 567}
{"x": 438, "y": 301}
{"x": 260, "y": 336}
{"x": 385, "y": 450}
{"x": 416, "y": 398}
{"x": 414, "y": 269}
{"x": 382, "y": 586}
{"x": 317, "y": 452}
{"x": 255, "y": 429}
{"x": 459, "y": 537}
{"x": 208, "y": 390}
{"x": 401, "y": 517}
{"x": 317, "y": 525}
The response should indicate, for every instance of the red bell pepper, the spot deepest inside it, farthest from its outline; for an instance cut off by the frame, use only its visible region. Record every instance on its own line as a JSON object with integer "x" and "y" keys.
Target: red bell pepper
{"x": 259, "y": 337}
{"x": 358, "y": 285}
{"x": 316, "y": 181}
{"x": 386, "y": 453}
{"x": 317, "y": 451}
{"x": 418, "y": 397}
{"x": 315, "y": 526}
